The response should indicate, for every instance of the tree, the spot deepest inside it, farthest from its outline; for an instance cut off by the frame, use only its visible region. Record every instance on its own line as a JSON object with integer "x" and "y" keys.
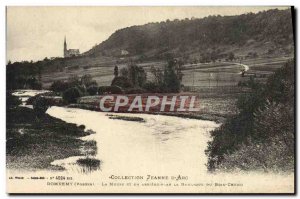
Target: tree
{"x": 71, "y": 95}
{"x": 116, "y": 71}
{"x": 73, "y": 80}
{"x": 92, "y": 90}
{"x": 40, "y": 105}
{"x": 12, "y": 101}
{"x": 231, "y": 56}
{"x": 87, "y": 80}
{"x": 122, "y": 82}
{"x": 158, "y": 75}
{"x": 124, "y": 72}
{"x": 59, "y": 86}
{"x": 136, "y": 75}
{"x": 151, "y": 87}
{"x": 171, "y": 81}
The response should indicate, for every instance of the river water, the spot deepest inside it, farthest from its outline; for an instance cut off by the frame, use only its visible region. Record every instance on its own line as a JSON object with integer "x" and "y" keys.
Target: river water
{"x": 153, "y": 146}
{"x": 160, "y": 146}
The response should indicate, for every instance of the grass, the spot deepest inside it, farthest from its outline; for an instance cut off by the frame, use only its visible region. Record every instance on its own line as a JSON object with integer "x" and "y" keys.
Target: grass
{"x": 214, "y": 106}
{"x": 89, "y": 164}
{"x": 33, "y": 143}
{"x": 215, "y": 84}
{"x": 126, "y": 118}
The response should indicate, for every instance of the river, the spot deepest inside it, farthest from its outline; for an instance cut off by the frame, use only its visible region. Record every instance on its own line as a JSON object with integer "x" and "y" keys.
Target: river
{"x": 153, "y": 146}
{"x": 160, "y": 146}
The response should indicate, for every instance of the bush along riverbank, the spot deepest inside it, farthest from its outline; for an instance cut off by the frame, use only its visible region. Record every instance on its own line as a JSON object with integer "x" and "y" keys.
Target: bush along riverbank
{"x": 34, "y": 140}
{"x": 261, "y": 136}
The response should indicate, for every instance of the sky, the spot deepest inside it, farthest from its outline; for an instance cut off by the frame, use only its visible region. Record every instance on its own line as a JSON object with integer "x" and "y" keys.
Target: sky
{"x": 33, "y": 33}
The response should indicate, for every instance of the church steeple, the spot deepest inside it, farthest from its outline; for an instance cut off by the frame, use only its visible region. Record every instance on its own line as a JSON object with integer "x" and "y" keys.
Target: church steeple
{"x": 70, "y": 52}
{"x": 65, "y": 47}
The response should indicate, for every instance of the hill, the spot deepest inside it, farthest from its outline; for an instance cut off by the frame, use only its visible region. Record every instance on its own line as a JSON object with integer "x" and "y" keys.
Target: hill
{"x": 267, "y": 32}
{"x": 266, "y": 35}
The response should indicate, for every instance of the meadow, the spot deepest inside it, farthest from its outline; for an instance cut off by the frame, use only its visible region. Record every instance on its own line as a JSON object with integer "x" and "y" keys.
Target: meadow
{"x": 204, "y": 75}
{"x": 215, "y": 83}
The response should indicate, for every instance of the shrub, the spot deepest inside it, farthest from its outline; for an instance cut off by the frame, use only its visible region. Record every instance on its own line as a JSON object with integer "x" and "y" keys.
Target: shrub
{"x": 71, "y": 95}
{"x": 110, "y": 89}
{"x": 275, "y": 121}
{"x": 82, "y": 89}
{"x": 87, "y": 80}
{"x": 59, "y": 86}
{"x": 92, "y": 90}
{"x": 116, "y": 90}
{"x": 135, "y": 91}
{"x": 40, "y": 105}
{"x": 31, "y": 100}
{"x": 171, "y": 81}
{"x": 82, "y": 127}
{"x": 102, "y": 90}
{"x": 263, "y": 156}
{"x": 90, "y": 162}
{"x": 262, "y": 134}
{"x": 151, "y": 87}
{"x": 12, "y": 101}
{"x": 122, "y": 82}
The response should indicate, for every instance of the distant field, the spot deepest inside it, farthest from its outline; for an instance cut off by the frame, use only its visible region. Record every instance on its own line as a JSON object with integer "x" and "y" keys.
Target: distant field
{"x": 214, "y": 83}
{"x": 202, "y": 74}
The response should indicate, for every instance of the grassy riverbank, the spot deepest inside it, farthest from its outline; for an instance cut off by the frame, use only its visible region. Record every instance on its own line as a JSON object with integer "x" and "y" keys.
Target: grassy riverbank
{"x": 33, "y": 143}
{"x": 262, "y": 135}
{"x": 213, "y": 106}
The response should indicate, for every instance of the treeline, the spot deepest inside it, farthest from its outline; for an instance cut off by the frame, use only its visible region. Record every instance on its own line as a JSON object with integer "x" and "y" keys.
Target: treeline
{"x": 261, "y": 136}
{"x": 23, "y": 75}
{"x": 180, "y": 36}
{"x": 133, "y": 78}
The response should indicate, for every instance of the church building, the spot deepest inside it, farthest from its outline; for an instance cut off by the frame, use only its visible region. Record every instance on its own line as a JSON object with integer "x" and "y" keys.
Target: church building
{"x": 70, "y": 52}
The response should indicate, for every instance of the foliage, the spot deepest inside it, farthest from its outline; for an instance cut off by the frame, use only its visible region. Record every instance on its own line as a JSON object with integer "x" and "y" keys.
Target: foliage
{"x": 116, "y": 71}
{"x": 135, "y": 90}
{"x": 59, "y": 86}
{"x": 231, "y": 56}
{"x": 85, "y": 84}
{"x": 12, "y": 101}
{"x": 266, "y": 119}
{"x": 71, "y": 95}
{"x": 110, "y": 90}
{"x": 151, "y": 87}
{"x": 92, "y": 90}
{"x": 158, "y": 75}
{"x": 264, "y": 156}
{"x": 73, "y": 81}
{"x": 122, "y": 82}
{"x": 40, "y": 105}
{"x": 87, "y": 81}
{"x": 136, "y": 75}
{"x": 171, "y": 80}
{"x": 34, "y": 144}
{"x": 31, "y": 100}
{"x": 178, "y": 36}
{"x": 124, "y": 72}
{"x": 23, "y": 75}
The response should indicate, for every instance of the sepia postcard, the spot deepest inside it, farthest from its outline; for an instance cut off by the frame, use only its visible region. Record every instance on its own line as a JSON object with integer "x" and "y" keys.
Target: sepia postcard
{"x": 150, "y": 100}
